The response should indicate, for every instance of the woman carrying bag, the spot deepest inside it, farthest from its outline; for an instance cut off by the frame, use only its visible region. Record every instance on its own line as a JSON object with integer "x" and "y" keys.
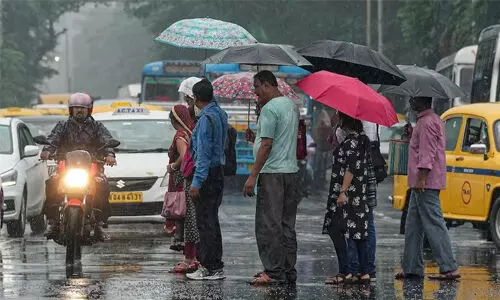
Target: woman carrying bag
{"x": 177, "y": 199}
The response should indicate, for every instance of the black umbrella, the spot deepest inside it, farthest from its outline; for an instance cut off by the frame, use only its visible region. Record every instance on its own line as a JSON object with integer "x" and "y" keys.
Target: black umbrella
{"x": 259, "y": 54}
{"x": 353, "y": 60}
{"x": 421, "y": 82}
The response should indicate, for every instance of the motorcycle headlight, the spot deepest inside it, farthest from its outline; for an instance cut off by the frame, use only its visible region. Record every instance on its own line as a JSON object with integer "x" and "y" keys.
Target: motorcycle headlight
{"x": 76, "y": 178}
{"x": 164, "y": 181}
{"x": 9, "y": 178}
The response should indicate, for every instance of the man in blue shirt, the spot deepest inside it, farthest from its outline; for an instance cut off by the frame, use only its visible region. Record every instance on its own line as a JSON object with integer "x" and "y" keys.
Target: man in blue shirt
{"x": 207, "y": 149}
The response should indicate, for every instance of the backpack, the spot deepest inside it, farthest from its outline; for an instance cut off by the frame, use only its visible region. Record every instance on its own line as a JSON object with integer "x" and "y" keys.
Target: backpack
{"x": 229, "y": 149}
{"x": 379, "y": 164}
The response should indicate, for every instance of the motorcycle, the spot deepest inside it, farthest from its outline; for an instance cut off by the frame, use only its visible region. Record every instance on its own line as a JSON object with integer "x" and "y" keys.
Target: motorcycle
{"x": 78, "y": 174}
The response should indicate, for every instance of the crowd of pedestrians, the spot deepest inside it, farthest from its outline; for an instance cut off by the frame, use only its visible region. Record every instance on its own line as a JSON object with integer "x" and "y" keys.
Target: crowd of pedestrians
{"x": 197, "y": 167}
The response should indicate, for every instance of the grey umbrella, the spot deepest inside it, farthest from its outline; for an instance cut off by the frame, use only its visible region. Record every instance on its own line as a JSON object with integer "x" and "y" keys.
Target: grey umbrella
{"x": 421, "y": 82}
{"x": 352, "y": 60}
{"x": 259, "y": 54}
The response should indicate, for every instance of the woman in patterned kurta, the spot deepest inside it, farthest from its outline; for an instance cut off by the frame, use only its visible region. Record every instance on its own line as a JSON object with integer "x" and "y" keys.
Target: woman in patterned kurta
{"x": 182, "y": 122}
{"x": 347, "y": 209}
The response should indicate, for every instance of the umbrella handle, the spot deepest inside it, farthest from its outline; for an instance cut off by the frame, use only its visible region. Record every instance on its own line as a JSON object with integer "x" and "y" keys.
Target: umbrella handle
{"x": 248, "y": 117}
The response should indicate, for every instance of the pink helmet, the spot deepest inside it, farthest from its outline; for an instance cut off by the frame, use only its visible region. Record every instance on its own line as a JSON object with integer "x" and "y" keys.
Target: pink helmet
{"x": 80, "y": 100}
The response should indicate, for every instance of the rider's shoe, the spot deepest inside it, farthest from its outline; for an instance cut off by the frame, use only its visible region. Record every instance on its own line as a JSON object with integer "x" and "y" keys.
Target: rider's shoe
{"x": 52, "y": 229}
{"x": 99, "y": 233}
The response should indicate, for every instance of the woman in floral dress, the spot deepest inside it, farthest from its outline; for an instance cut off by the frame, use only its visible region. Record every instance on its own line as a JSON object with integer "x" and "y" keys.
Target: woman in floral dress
{"x": 181, "y": 120}
{"x": 347, "y": 209}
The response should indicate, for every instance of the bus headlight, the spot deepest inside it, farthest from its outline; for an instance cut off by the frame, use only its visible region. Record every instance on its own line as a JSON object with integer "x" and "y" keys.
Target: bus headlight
{"x": 76, "y": 178}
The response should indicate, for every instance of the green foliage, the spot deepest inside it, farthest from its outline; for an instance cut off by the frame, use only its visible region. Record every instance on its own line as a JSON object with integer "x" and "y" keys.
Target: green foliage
{"x": 29, "y": 34}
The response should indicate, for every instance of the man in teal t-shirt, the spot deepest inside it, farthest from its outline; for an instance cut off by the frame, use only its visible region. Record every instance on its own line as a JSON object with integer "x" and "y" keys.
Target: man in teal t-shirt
{"x": 277, "y": 171}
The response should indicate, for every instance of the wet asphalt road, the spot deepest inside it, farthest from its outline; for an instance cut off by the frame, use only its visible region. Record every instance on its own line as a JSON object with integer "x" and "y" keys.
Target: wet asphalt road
{"x": 135, "y": 263}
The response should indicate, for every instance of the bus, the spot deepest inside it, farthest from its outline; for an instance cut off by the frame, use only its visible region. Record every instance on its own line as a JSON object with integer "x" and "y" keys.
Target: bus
{"x": 485, "y": 79}
{"x": 241, "y": 113}
{"x": 160, "y": 81}
{"x": 458, "y": 67}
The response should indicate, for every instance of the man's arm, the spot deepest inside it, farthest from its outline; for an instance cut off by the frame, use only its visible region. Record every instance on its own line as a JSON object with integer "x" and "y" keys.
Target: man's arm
{"x": 267, "y": 123}
{"x": 104, "y": 137}
{"x": 203, "y": 152}
{"x": 54, "y": 138}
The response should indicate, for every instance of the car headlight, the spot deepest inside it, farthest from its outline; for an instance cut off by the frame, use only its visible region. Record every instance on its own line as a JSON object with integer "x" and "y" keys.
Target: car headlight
{"x": 164, "y": 181}
{"x": 9, "y": 178}
{"x": 76, "y": 178}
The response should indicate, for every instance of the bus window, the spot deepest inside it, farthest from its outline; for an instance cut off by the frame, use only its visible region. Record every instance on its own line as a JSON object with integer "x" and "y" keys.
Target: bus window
{"x": 447, "y": 72}
{"x": 161, "y": 89}
{"x": 481, "y": 81}
{"x": 466, "y": 80}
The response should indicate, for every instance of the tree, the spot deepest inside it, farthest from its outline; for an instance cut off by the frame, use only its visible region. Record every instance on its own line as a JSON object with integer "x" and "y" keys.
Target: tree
{"x": 29, "y": 34}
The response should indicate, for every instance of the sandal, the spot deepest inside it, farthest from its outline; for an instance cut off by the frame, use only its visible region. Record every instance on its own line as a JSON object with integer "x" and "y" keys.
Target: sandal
{"x": 183, "y": 268}
{"x": 453, "y": 275}
{"x": 337, "y": 279}
{"x": 264, "y": 279}
{"x": 402, "y": 275}
{"x": 363, "y": 280}
{"x": 258, "y": 274}
{"x": 351, "y": 280}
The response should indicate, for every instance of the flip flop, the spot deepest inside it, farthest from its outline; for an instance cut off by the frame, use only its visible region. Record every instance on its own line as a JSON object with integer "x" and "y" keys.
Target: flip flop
{"x": 445, "y": 276}
{"x": 401, "y": 276}
{"x": 337, "y": 279}
{"x": 264, "y": 279}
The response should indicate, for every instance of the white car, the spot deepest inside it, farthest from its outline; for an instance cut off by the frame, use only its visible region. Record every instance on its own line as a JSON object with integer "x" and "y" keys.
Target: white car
{"x": 139, "y": 181}
{"x": 23, "y": 178}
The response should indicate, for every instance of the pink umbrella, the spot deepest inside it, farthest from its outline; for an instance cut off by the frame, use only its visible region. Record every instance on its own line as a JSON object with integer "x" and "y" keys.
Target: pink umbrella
{"x": 239, "y": 86}
{"x": 350, "y": 96}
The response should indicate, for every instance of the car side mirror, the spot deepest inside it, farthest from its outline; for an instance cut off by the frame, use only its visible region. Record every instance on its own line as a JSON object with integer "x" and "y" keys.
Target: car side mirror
{"x": 30, "y": 151}
{"x": 479, "y": 149}
{"x": 41, "y": 139}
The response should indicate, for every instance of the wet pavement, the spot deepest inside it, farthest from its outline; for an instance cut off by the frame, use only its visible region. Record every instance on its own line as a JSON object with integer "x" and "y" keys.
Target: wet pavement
{"x": 135, "y": 263}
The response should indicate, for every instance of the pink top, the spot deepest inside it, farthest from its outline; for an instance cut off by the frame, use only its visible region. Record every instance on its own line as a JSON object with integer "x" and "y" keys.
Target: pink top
{"x": 427, "y": 151}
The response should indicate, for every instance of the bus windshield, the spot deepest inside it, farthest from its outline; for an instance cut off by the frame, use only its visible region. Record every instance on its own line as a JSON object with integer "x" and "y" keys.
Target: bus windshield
{"x": 161, "y": 89}
{"x": 481, "y": 81}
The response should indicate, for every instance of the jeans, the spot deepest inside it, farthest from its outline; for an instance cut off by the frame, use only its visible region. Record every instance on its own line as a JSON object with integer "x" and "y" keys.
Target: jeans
{"x": 425, "y": 216}
{"x": 277, "y": 200}
{"x": 209, "y": 249}
{"x": 371, "y": 248}
{"x": 340, "y": 244}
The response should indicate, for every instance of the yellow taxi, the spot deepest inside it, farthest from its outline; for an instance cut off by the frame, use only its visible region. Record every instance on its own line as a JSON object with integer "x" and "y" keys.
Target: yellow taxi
{"x": 473, "y": 169}
{"x": 113, "y": 106}
{"x": 19, "y": 112}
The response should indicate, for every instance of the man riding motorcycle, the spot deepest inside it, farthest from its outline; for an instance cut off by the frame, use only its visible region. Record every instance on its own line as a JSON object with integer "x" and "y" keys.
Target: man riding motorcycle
{"x": 79, "y": 132}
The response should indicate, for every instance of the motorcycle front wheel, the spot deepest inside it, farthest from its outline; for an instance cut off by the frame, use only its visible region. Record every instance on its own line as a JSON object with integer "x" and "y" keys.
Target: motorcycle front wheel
{"x": 73, "y": 217}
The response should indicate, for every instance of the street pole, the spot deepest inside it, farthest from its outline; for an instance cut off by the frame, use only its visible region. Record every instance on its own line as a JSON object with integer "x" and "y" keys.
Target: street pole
{"x": 368, "y": 23}
{"x": 380, "y": 27}
{"x": 67, "y": 54}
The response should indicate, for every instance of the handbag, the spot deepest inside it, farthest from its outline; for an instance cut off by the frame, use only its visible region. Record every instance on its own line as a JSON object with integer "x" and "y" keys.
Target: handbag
{"x": 379, "y": 164}
{"x": 174, "y": 205}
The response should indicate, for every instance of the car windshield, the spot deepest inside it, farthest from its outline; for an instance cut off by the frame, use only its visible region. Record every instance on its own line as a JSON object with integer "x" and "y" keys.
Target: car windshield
{"x": 496, "y": 132}
{"x": 6, "y": 138}
{"x": 141, "y": 136}
{"x": 42, "y": 126}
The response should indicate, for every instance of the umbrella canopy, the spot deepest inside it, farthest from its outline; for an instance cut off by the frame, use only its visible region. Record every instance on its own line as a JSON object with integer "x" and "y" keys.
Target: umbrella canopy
{"x": 205, "y": 33}
{"x": 350, "y": 96}
{"x": 239, "y": 86}
{"x": 352, "y": 60}
{"x": 423, "y": 82}
{"x": 259, "y": 54}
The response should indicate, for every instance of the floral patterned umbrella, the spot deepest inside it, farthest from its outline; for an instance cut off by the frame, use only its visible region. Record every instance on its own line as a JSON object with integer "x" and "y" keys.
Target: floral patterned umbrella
{"x": 205, "y": 33}
{"x": 239, "y": 86}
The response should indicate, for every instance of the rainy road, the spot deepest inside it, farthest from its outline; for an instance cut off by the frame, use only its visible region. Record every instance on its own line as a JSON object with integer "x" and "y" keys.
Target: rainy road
{"x": 135, "y": 263}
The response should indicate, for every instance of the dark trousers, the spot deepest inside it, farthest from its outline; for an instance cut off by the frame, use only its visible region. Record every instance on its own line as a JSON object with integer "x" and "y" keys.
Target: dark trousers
{"x": 277, "y": 200}
{"x": 54, "y": 200}
{"x": 209, "y": 249}
{"x": 361, "y": 248}
{"x": 340, "y": 244}
{"x": 354, "y": 261}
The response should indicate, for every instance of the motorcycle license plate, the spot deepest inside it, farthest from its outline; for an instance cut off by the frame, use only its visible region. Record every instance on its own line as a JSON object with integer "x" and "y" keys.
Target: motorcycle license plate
{"x": 126, "y": 197}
